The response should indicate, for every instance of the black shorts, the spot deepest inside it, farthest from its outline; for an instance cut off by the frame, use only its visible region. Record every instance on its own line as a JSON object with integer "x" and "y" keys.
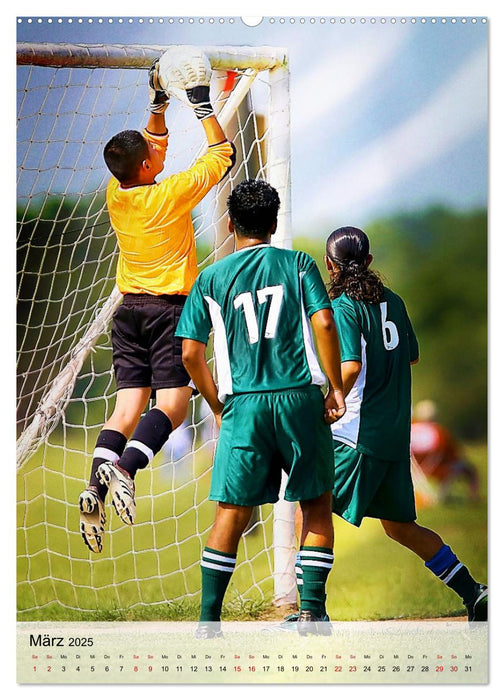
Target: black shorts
{"x": 145, "y": 351}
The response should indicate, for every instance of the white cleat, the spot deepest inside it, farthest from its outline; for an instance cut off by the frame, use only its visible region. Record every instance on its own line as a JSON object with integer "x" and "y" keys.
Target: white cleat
{"x": 122, "y": 490}
{"x": 92, "y": 520}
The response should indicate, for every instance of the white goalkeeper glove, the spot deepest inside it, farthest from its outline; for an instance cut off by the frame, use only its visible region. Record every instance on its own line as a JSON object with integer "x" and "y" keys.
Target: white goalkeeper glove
{"x": 185, "y": 72}
{"x": 157, "y": 96}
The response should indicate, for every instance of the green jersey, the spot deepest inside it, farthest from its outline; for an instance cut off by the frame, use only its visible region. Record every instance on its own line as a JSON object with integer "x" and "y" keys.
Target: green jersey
{"x": 258, "y": 301}
{"x": 380, "y": 336}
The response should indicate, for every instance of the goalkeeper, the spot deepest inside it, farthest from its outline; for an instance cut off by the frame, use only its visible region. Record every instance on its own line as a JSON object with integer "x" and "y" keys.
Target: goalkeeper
{"x": 155, "y": 272}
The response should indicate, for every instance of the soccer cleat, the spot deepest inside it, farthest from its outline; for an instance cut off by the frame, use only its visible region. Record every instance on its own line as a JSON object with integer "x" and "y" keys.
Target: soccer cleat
{"x": 288, "y": 624}
{"x": 478, "y": 610}
{"x": 208, "y": 630}
{"x": 122, "y": 490}
{"x": 92, "y": 519}
{"x": 308, "y": 623}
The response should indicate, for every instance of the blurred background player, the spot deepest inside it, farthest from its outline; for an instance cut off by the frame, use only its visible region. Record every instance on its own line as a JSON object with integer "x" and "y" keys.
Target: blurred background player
{"x": 438, "y": 453}
{"x": 372, "y": 440}
{"x": 155, "y": 272}
{"x": 260, "y": 301}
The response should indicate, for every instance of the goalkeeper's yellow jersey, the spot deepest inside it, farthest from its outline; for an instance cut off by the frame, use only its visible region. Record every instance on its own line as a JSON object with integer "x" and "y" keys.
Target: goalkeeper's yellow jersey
{"x": 153, "y": 224}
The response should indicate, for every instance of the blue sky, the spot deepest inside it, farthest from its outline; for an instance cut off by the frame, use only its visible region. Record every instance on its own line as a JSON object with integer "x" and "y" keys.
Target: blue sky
{"x": 384, "y": 116}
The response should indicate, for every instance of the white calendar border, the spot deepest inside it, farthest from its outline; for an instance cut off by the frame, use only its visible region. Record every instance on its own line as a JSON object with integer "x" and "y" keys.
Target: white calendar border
{"x": 249, "y": 9}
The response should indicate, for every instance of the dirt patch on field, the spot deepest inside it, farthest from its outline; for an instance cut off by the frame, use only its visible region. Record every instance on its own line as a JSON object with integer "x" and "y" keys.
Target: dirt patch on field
{"x": 277, "y": 613}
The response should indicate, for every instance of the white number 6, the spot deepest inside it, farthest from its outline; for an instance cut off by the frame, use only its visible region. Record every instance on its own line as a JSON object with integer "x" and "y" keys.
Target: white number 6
{"x": 389, "y": 329}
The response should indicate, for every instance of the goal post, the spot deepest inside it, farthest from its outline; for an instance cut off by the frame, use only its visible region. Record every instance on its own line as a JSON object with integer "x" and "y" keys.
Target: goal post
{"x": 71, "y": 100}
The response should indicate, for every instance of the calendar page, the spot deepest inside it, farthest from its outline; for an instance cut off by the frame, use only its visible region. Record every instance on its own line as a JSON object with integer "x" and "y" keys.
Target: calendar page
{"x": 252, "y": 470}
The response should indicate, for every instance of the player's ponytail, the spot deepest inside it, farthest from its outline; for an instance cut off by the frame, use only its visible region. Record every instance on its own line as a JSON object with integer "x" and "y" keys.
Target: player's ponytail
{"x": 348, "y": 249}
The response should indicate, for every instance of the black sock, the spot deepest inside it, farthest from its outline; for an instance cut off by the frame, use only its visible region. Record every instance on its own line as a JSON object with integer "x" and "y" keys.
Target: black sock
{"x": 447, "y": 567}
{"x": 109, "y": 447}
{"x": 149, "y": 437}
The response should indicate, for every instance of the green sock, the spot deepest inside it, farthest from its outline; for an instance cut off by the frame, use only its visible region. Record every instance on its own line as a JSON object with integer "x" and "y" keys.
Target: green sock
{"x": 216, "y": 571}
{"x": 316, "y": 563}
{"x": 299, "y": 576}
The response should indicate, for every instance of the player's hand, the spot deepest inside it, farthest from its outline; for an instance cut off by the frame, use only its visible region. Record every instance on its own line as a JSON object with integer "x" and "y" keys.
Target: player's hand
{"x": 157, "y": 96}
{"x": 334, "y": 406}
{"x": 217, "y": 408}
{"x": 199, "y": 100}
{"x": 185, "y": 72}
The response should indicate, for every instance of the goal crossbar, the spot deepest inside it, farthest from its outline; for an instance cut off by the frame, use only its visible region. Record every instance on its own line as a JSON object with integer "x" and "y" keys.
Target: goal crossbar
{"x": 137, "y": 56}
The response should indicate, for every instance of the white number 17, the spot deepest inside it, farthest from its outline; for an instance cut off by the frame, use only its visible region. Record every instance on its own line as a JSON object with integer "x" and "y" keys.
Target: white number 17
{"x": 246, "y": 301}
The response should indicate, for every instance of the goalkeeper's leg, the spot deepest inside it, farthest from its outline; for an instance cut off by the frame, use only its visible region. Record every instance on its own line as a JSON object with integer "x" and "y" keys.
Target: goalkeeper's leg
{"x": 108, "y": 449}
{"x": 149, "y": 436}
{"x": 92, "y": 520}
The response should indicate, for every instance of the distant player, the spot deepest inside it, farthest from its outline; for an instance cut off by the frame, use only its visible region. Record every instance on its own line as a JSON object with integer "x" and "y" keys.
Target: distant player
{"x": 372, "y": 440}
{"x": 155, "y": 272}
{"x": 438, "y": 454}
{"x": 263, "y": 303}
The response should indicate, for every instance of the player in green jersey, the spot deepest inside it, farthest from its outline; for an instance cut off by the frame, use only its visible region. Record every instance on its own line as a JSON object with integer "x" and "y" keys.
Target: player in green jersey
{"x": 263, "y": 304}
{"x": 372, "y": 469}
{"x": 372, "y": 440}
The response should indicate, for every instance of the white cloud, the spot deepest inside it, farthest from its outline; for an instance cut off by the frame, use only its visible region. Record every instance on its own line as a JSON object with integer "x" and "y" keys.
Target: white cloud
{"x": 455, "y": 111}
{"x": 340, "y": 74}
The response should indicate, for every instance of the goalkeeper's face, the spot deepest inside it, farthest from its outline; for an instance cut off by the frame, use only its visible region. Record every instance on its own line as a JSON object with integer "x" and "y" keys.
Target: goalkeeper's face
{"x": 155, "y": 160}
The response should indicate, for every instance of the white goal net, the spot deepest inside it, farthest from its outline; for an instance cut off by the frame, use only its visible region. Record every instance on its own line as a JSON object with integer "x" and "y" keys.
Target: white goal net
{"x": 71, "y": 100}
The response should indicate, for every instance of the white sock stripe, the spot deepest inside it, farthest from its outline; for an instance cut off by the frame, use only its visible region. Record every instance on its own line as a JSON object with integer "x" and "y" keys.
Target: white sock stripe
{"x": 105, "y": 453}
{"x": 452, "y": 573}
{"x": 218, "y": 567}
{"x": 317, "y": 564}
{"x": 218, "y": 557}
{"x": 316, "y": 555}
{"x": 142, "y": 448}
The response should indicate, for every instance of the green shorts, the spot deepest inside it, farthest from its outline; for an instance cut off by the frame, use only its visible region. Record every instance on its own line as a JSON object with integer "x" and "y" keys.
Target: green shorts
{"x": 263, "y": 433}
{"x": 368, "y": 487}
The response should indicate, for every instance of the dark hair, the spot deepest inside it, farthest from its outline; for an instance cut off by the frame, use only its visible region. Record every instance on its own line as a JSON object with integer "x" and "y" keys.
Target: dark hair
{"x": 253, "y": 208}
{"x": 348, "y": 249}
{"x": 124, "y": 154}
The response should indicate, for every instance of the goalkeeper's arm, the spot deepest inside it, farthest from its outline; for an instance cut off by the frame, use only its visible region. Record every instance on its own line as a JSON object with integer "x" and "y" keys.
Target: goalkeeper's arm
{"x": 158, "y": 102}
{"x": 185, "y": 73}
{"x": 215, "y": 135}
{"x": 213, "y": 131}
{"x": 199, "y": 99}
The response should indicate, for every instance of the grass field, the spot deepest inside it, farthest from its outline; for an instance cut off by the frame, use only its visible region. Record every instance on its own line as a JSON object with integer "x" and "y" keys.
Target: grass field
{"x": 158, "y": 560}
{"x": 141, "y": 567}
